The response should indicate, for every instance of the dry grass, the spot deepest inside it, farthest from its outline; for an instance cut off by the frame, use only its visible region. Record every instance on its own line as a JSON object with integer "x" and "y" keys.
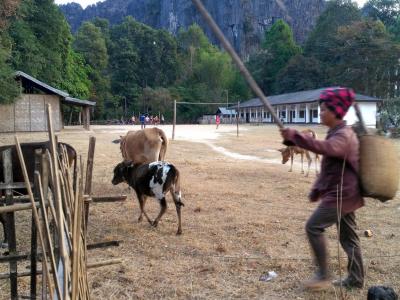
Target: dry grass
{"x": 241, "y": 219}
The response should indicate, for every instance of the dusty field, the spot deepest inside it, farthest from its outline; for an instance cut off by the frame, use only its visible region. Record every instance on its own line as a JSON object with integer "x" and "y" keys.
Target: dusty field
{"x": 244, "y": 215}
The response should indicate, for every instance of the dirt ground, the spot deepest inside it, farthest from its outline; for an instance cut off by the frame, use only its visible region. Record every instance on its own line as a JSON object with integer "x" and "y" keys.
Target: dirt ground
{"x": 244, "y": 215}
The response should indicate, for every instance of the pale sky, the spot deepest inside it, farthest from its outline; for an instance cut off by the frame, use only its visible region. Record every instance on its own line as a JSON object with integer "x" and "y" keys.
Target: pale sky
{"x": 85, "y": 3}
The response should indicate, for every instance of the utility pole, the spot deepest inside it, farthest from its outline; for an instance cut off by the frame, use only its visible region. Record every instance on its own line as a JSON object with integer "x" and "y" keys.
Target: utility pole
{"x": 174, "y": 121}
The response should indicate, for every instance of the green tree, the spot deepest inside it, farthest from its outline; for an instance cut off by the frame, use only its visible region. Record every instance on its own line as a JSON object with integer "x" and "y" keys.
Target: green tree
{"x": 7, "y": 10}
{"x": 207, "y": 75}
{"x": 8, "y": 86}
{"x": 38, "y": 50}
{"x": 301, "y": 73}
{"x": 386, "y": 11}
{"x": 337, "y": 13}
{"x": 140, "y": 57}
{"x": 76, "y": 78}
{"x": 124, "y": 61}
{"x": 42, "y": 47}
{"x": 395, "y": 29}
{"x": 156, "y": 101}
{"x": 278, "y": 48}
{"x": 365, "y": 58}
{"x": 89, "y": 42}
{"x": 390, "y": 115}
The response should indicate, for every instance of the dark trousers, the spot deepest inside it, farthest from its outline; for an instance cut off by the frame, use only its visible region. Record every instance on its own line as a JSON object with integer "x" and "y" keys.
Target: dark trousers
{"x": 323, "y": 218}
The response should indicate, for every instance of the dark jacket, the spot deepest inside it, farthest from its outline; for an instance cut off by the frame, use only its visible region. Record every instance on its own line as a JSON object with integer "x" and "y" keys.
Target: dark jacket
{"x": 341, "y": 145}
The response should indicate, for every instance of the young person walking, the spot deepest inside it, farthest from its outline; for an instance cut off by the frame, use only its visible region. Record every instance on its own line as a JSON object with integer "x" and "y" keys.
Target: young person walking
{"x": 336, "y": 186}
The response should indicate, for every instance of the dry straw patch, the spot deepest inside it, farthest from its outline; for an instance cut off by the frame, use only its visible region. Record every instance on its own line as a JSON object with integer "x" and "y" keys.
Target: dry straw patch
{"x": 241, "y": 219}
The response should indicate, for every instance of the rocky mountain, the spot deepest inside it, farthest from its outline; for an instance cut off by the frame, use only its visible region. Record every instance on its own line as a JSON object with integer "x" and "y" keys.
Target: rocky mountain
{"x": 242, "y": 21}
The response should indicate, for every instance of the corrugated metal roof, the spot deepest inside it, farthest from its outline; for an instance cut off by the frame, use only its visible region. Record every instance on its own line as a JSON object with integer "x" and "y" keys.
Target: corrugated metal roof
{"x": 42, "y": 84}
{"x": 300, "y": 97}
{"x": 224, "y": 111}
{"x": 66, "y": 97}
{"x": 79, "y": 101}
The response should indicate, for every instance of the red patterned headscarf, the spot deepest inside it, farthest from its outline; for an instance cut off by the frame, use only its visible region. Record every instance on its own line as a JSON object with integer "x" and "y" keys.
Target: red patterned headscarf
{"x": 338, "y": 100}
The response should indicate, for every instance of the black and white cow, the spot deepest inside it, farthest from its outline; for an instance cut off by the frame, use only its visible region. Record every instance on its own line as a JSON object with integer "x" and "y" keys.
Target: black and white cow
{"x": 155, "y": 179}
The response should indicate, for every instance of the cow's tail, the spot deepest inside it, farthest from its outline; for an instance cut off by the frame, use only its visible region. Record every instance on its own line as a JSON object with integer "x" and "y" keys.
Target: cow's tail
{"x": 164, "y": 145}
{"x": 122, "y": 148}
{"x": 177, "y": 187}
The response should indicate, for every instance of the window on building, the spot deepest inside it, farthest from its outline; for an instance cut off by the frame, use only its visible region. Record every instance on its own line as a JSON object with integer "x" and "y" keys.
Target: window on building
{"x": 315, "y": 113}
{"x": 283, "y": 114}
{"x": 302, "y": 114}
{"x": 268, "y": 115}
{"x": 265, "y": 114}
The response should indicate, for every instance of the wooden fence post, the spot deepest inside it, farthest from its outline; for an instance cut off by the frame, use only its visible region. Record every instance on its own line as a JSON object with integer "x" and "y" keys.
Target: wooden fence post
{"x": 88, "y": 181}
{"x": 237, "y": 119}
{"x": 34, "y": 231}
{"x": 10, "y": 221}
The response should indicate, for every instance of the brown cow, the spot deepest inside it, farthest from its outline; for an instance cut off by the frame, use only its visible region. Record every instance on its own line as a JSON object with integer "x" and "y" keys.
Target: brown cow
{"x": 144, "y": 146}
{"x": 290, "y": 151}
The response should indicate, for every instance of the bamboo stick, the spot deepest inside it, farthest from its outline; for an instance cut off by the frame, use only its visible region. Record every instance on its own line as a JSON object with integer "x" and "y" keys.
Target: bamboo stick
{"x": 103, "y": 199}
{"x": 51, "y": 202}
{"x": 104, "y": 263}
{"x": 36, "y": 217}
{"x": 242, "y": 68}
{"x": 75, "y": 243}
{"x": 47, "y": 231}
{"x": 17, "y": 207}
{"x": 58, "y": 199}
{"x": 10, "y": 222}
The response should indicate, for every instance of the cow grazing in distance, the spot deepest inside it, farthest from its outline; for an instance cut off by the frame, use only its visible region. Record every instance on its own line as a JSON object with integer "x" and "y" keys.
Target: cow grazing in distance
{"x": 155, "y": 180}
{"x": 291, "y": 151}
{"x": 144, "y": 146}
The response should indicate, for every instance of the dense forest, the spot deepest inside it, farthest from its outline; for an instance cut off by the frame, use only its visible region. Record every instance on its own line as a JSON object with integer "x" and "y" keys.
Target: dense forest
{"x": 130, "y": 68}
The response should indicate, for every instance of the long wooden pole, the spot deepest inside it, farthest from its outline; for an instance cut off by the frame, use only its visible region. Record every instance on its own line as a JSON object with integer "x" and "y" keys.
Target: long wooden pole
{"x": 174, "y": 121}
{"x": 47, "y": 232}
{"x": 35, "y": 214}
{"x": 228, "y": 47}
{"x": 237, "y": 119}
{"x": 360, "y": 118}
{"x": 10, "y": 222}
{"x": 59, "y": 207}
{"x": 34, "y": 231}
{"x": 88, "y": 180}
{"x": 93, "y": 265}
{"x": 17, "y": 207}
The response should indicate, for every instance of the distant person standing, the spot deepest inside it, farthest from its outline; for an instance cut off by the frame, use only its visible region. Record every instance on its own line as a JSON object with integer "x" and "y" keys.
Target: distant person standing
{"x": 162, "y": 119}
{"x": 217, "y": 120}
{"x": 142, "y": 120}
{"x": 133, "y": 120}
{"x": 147, "y": 120}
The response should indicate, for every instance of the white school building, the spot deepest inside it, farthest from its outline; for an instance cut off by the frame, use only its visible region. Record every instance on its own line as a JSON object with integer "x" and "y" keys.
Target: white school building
{"x": 303, "y": 108}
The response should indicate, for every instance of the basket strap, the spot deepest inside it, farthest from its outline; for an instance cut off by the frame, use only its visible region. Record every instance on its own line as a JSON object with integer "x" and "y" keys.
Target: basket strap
{"x": 360, "y": 117}
{"x": 351, "y": 167}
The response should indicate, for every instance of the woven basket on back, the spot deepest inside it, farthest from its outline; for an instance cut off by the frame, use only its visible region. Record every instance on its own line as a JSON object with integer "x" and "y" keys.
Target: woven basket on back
{"x": 379, "y": 167}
